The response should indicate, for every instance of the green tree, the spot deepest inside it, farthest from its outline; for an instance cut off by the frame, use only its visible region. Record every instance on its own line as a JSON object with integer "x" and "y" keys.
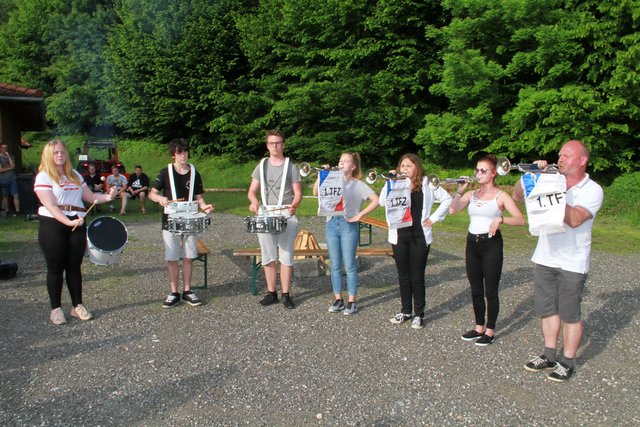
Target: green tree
{"x": 339, "y": 75}
{"x": 521, "y": 78}
{"x": 169, "y": 64}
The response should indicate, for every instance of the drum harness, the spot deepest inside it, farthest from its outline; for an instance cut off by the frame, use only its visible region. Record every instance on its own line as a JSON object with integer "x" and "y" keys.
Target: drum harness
{"x": 182, "y": 206}
{"x": 263, "y": 181}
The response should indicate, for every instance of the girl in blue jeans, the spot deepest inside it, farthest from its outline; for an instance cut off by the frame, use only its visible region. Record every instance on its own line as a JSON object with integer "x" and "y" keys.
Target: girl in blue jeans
{"x": 342, "y": 231}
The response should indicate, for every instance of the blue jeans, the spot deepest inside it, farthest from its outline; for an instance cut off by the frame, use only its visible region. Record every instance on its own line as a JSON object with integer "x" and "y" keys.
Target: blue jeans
{"x": 342, "y": 241}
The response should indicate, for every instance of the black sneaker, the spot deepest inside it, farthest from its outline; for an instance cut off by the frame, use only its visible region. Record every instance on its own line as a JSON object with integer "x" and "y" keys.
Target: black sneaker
{"x": 485, "y": 340}
{"x": 561, "y": 373}
{"x": 338, "y": 305}
{"x": 400, "y": 318}
{"x": 538, "y": 364}
{"x": 287, "y": 301}
{"x": 191, "y": 298}
{"x": 269, "y": 299}
{"x": 471, "y": 335}
{"x": 171, "y": 301}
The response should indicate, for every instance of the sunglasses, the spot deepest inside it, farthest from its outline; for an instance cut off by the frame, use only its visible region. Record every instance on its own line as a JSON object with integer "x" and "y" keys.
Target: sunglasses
{"x": 480, "y": 171}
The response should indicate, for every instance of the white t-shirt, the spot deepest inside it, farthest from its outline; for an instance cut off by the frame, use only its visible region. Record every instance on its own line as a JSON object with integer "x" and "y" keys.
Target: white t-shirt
{"x": 66, "y": 193}
{"x": 570, "y": 250}
{"x": 355, "y": 192}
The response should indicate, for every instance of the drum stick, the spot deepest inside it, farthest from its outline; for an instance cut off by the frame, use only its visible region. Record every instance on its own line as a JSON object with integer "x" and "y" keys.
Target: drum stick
{"x": 176, "y": 200}
{"x": 87, "y": 213}
{"x": 278, "y": 209}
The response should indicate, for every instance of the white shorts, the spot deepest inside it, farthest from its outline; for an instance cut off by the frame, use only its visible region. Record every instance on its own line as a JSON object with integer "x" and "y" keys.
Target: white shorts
{"x": 281, "y": 244}
{"x": 174, "y": 241}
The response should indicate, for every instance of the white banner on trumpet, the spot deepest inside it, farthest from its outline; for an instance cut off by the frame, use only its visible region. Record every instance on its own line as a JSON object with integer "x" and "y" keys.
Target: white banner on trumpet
{"x": 398, "y": 203}
{"x": 545, "y": 201}
{"x": 330, "y": 193}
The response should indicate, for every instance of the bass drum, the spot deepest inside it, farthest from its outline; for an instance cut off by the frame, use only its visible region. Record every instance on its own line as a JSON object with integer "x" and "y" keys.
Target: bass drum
{"x": 106, "y": 238}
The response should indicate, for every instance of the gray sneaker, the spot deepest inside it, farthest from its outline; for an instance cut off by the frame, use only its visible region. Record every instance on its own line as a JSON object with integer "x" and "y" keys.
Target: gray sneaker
{"x": 351, "y": 308}
{"x": 417, "y": 322}
{"x": 338, "y": 305}
{"x": 400, "y": 318}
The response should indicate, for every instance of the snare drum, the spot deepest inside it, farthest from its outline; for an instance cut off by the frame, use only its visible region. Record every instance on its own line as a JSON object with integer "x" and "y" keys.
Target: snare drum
{"x": 188, "y": 223}
{"x": 265, "y": 224}
{"x": 106, "y": 238}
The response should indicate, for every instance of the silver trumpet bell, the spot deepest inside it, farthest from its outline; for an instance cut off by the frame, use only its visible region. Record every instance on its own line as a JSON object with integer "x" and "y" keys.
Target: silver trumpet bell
{"x": 306, "y": 169}
{"x": 372, "y": 176}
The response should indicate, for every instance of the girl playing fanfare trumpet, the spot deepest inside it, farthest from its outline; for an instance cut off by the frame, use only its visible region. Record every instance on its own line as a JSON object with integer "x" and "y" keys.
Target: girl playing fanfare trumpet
{"x": 342, "y": 229}
{"x": 484, "y": 253}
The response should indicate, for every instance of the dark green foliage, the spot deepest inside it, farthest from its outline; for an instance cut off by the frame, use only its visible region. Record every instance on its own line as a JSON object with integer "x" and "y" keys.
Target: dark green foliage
{"x": 447, "y": 78}
{"x": 522, "y": 78}
{"x": 169, "y": 64}
{"x": 341, "y": 75}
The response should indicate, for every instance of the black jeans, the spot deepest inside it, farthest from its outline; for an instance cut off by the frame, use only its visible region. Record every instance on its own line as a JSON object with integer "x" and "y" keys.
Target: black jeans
{"x": 63, "y": 251}
{"x": 410, "y": 254}
{"x": 484, "y": 266}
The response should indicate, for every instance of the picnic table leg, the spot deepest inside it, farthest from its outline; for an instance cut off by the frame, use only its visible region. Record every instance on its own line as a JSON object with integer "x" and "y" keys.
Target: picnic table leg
{"x": 254, "y": 275}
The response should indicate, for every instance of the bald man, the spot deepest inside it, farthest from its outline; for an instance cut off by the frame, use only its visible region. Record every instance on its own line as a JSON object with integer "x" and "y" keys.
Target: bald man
{"x": 562, "y": 264}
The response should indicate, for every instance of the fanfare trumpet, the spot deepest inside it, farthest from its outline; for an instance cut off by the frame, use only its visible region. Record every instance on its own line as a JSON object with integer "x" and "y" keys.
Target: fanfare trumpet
{"x": 306, "y": 169}
{"x": 435, "y": 182}
{"x": 372, "y": 176}
{"x": 460, "y": 180}
{"x": 504, "y": 166}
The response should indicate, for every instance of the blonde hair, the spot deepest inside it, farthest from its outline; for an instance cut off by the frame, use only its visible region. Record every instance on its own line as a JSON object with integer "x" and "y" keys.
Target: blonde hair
{"x": 48, "y": 165}
{"x": 357, "y": 162}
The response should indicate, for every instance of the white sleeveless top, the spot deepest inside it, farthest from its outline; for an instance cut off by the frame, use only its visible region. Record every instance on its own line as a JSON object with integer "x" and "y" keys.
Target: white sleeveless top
{"x": 482, "y": 213}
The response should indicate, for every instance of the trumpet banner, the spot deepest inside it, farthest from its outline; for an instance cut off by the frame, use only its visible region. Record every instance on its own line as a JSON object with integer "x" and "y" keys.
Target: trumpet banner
{"x": 545, "y": 201}
{"x": 398, "y": 203}
{"x": 330, "y": 193}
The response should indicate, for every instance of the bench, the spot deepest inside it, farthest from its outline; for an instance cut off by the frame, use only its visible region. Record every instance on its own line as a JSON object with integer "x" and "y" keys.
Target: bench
{"x": 203, "y": 257}
{"x": 366, "y": 223}
{"x": 254, "y": 253}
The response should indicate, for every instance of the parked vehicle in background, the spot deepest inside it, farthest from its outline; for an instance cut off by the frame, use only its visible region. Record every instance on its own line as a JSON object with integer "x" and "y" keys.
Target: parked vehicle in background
{"x": 103, "y": 154}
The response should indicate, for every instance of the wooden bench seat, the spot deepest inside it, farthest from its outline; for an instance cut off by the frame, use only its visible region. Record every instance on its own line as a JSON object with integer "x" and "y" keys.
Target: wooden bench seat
{"x": 366, "y": 223}
{"x": 254, "y": 253}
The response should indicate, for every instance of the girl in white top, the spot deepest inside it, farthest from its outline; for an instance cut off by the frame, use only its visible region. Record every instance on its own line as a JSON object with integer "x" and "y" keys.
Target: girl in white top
{"x": 342, "y": 231}
{"x": 484, "y": 252}
{"x": 62, "y": 232}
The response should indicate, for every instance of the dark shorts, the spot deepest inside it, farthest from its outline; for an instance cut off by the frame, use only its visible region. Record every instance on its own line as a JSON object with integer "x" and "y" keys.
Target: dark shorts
{"x": 558, "y": 292}
{"x": 9, "y": 188}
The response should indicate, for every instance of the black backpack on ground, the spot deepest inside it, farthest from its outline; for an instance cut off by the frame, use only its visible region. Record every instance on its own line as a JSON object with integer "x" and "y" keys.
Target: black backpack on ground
{"x": 8, "y": 269}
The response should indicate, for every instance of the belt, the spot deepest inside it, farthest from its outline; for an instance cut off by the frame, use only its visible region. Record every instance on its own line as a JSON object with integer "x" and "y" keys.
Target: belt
{"x": 481, "y": 237}
{"x": 71, "y": 208}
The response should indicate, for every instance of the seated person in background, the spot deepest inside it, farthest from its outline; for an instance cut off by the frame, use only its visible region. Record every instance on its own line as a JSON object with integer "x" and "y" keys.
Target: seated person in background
{"x": 120, "y": 183}
{"x": 138, "y": 186}
{"x": 94, "y": 181}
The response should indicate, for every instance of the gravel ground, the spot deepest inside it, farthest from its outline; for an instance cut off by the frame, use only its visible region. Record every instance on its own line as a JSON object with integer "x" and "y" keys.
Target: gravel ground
{"x": 234, "y": 362}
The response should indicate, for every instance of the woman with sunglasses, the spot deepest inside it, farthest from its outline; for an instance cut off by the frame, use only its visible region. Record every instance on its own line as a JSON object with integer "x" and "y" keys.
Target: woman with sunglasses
{"x": 484, "y": 253}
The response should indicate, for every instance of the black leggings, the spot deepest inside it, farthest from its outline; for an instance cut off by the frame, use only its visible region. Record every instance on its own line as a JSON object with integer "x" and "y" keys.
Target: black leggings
{"x": 484, "y": 267}
{"x": 63, "y": 251}
{"x": 410, "y": 254}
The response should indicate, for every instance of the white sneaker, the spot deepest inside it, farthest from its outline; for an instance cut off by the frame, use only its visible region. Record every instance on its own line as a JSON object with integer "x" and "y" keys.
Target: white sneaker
{"x": 57, "y": 317}
{"x": 417, "y": 322}
{"x": 81, "y": 313}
